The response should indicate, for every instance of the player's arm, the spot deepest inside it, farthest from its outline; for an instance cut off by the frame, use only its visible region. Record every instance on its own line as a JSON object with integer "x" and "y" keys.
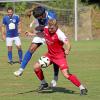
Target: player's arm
{"x": 27, "y": 33}
{"x": 65, "y": 40}
{"x": 67, "y": 46}
{"x": 30, "y": 32}
{"x": 3, "y": 31}
{"x": 31, "y": 24}
{"x": 20, "y": 26}
{"x": 39, "y": 28}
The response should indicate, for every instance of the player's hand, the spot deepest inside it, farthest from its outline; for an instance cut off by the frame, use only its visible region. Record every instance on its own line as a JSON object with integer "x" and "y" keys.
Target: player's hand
{"x": 67, "y": 51}
{"x": 26, "y": 33}
{"x": 29, "y": 34}
{"x": 39, "y": 28}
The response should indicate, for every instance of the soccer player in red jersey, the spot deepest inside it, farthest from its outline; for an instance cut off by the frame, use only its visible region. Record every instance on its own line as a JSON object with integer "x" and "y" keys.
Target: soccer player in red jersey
{"x": 55, "y": 39}
{"x": 41, "y": 15}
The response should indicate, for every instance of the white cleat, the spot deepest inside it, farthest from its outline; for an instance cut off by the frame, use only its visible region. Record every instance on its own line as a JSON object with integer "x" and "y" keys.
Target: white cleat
{"x": 53, "y": 83}
{"x": 18, "y": 73}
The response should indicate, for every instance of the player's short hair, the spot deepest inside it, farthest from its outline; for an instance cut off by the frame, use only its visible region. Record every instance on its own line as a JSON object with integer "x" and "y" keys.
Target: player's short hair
{"x": 9, "y": 8}
{"x": 52, "y": 22}
{"x": 38, "y": 11}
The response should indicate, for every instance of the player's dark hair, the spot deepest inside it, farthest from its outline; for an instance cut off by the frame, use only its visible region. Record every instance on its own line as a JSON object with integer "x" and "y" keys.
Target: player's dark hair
{"x": 9, "y": 8}
{"x": 38, "y": 11}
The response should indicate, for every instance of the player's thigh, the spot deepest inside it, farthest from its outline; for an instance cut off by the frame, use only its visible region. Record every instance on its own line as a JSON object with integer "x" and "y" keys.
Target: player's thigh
{"x": 62, "y": 63}
{"x": 17, "y": 41}
{"x": 9, "y": 41}
{"x": 37, "y": 65}
{"x": 34, "y": 46}
{"x": 38, "y": 40}
{"x": 65, "y": 72}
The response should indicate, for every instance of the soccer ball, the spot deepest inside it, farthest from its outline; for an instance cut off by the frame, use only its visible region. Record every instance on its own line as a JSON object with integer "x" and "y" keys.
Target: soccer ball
{"x": 44, "y": 61}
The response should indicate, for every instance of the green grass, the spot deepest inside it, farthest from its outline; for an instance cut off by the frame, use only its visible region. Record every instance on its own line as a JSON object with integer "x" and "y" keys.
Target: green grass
{"x": 84, "y": 61}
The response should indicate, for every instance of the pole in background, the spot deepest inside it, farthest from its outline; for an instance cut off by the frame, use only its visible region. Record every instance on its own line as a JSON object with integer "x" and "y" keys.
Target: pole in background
{"x": 76, "y": 19}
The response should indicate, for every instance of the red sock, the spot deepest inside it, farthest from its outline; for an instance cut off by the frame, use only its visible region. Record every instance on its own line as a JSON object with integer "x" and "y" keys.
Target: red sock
{"x": 39, "y": 73}
{"x": 74, "y": 80}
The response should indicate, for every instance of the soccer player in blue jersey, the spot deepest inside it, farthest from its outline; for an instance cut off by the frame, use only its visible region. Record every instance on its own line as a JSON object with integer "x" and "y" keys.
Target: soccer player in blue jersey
{"x": 41, "y": 20}
{"x": 11, "y": 23}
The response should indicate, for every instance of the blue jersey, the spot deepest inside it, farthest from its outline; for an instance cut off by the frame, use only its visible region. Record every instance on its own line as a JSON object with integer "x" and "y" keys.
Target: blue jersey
{"x": 49, "y": 15}
{"x": 11, "y": 24}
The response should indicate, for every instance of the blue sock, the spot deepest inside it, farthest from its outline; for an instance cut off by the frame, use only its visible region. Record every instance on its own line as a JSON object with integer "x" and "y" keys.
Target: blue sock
{"x": 26, "y": 59}
{"x": 10, "y": 55}
{"x": 20, "y": 53}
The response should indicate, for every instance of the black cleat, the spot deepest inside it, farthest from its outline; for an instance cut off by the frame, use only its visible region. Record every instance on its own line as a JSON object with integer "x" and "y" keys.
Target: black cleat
{"x": 11, "y": 62}
{"x": 83, "y": 92}
{"x": 43, "y": 87}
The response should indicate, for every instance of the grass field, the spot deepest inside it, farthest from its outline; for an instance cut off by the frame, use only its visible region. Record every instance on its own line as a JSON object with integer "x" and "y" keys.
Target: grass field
{"x": 84, "y": 61}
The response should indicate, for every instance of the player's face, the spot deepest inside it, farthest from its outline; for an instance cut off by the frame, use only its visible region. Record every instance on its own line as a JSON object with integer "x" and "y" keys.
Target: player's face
{"x": 52, "y": 29}
{"x": 42, "y": 16}
{"x": 10, "y": 13}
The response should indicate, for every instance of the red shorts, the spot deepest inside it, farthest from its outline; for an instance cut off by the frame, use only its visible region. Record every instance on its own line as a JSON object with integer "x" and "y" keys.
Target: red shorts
{"x": 61, "y": 62}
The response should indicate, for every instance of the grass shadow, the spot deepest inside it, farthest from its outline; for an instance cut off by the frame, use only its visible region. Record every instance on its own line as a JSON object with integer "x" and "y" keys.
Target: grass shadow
{"x": 26, "y": 92}
{"x": 51, "y": 90}
{"x": 59, "y": 89}
{"x": 16, "y": 62}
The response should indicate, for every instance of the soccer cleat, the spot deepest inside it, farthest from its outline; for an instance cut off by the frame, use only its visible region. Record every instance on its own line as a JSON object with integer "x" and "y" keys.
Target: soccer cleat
{"x": 18, "y": 73}
{"x": 53, "y": 83}
{"x": 43, "y": 87}
{"x": 83, "y": 92}
{"x": 11, "y": 62}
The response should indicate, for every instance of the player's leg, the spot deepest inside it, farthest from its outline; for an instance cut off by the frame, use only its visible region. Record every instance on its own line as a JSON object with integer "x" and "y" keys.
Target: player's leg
{"x": 63, "y": 65}
{"x": 56, "y": 72}
{"x": 75, "y": 81}
{"x": 18, "y": 45}
{"x": 9, "y": 47}
{"x": 29, "y": 53}
{"x": 37, "y": 41}
{"x": 26, "y": 58}
{"x": 39, "y": 73}
{"x": 20, "y": 53}
{"x": 10, "y": 61}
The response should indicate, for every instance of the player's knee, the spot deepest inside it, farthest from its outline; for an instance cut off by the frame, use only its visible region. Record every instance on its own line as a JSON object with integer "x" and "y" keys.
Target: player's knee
{"x": 66, "y": 73}
{"x": 36, "y": 66}
{"x": 19, "y": 47}
{"x": 32, "y": 48}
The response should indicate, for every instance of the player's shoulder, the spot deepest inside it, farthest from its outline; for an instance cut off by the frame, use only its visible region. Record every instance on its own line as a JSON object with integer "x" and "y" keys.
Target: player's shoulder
{"x": 45, "y": 28}
{"x": 61, "y": 35}
{"x": 5, "y": 17}
{"x": 59, "y": 31}
{"x": 51, "y": 11}
{"x": 15, "y": 15}
{"x": 52, "y": 14}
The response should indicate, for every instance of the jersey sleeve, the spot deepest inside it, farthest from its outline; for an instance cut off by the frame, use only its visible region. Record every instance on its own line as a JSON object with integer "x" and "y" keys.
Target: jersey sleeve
{"x": 18, "y": 18}
{"x": 52, "y": 14}
{"x": 61, "y": 36}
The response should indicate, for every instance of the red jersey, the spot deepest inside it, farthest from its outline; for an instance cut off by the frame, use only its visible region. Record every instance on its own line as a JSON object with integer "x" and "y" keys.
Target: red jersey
{"x": 55, "y": 43}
